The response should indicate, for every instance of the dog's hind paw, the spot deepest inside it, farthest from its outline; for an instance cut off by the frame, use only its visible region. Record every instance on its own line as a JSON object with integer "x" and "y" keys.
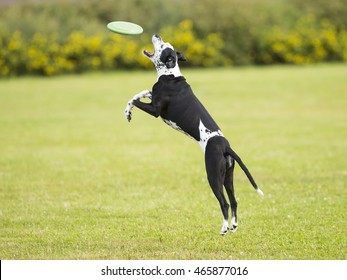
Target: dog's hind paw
{"x": 233, "y": 224}
{"x": 233, "y": 228}
{"x": 223, "y": 231}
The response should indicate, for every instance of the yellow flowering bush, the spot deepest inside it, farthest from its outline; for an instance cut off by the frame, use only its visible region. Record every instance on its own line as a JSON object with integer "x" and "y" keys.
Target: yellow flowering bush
{"x": 310, "y": 41}
{"x": 12, "y": 55}
{"x": 207, "y": 52}
{"x": 47, "y": 55}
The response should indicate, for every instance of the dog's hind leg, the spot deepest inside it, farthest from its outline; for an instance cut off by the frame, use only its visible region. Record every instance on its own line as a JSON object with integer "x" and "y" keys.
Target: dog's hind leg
{"x": 229, "y": 186}
{"x": 216, "y": 168}
{"x": 218, "y": 192}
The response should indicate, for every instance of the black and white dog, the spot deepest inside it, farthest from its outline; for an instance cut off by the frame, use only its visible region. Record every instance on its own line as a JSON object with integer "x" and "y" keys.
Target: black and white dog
{"x": 174, "y": 101}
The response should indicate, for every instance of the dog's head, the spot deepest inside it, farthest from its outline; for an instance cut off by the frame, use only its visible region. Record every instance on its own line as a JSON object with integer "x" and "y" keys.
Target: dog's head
{"x": 164, "y": 57}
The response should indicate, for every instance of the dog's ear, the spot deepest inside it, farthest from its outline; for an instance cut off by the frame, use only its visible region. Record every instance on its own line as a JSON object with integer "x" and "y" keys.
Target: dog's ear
{"x": 170, "y": 61}
{"x": 181, "y": 56}
{"x": 168, "y": 57}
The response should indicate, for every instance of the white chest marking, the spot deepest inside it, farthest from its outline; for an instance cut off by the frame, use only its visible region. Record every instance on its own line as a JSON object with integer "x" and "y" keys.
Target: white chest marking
{"x": 205, "y": 133}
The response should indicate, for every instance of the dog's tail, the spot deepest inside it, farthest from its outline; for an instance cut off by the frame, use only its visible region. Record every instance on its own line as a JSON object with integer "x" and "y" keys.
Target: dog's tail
{"x": 231, "y": 152}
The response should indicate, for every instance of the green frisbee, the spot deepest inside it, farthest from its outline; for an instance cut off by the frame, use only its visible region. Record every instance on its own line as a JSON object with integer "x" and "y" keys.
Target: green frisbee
{"x": 125, "y": 28}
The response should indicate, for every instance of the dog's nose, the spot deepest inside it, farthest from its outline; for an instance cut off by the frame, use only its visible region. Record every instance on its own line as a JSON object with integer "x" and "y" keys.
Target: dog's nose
{"x": 157, "y": 36}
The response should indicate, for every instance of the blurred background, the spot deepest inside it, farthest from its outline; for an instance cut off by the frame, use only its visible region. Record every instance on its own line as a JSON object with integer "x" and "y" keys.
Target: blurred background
{"x": 50, "y": 37}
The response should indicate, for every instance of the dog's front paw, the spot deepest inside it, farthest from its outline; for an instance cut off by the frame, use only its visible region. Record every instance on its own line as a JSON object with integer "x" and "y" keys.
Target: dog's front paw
{"x": 127, "y": 111}
{"x": 128, "y": 115}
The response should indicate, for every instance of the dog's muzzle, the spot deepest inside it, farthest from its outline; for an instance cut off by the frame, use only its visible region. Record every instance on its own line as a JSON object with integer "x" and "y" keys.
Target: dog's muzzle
{"x": 148, "y": 53}
{"x": 156, "y": 40}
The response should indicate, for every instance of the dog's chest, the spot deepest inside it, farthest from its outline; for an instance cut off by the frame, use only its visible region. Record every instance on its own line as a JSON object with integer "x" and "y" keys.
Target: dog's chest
{"x": 175, "y": 126}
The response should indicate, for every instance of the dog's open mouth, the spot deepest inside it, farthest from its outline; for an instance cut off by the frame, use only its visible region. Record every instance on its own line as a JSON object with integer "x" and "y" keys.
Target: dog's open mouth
{"x": 148, "y": 53}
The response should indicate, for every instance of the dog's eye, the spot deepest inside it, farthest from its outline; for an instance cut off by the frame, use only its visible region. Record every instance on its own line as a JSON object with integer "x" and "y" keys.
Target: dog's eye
{"x": 170, "y": 58}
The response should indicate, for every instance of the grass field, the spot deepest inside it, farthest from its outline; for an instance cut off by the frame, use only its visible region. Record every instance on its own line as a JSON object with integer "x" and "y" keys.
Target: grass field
{"x": 77, "y": 181}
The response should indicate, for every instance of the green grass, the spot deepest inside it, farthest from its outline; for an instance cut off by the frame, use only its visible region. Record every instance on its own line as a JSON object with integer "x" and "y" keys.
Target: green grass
{"x": 77, "y": 181}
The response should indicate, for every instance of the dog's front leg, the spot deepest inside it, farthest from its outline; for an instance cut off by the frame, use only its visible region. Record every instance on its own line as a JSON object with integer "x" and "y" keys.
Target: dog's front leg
{"x": 130, "y": 105}
{"x": 152, "y": 108}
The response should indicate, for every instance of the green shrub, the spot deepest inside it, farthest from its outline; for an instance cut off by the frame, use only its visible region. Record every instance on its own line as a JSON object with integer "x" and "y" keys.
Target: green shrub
{"x": 199, "y": 52}
{"x": 310, "y": 41}
{"x": 46, "y": 55}
{"x": 63, "y": 36}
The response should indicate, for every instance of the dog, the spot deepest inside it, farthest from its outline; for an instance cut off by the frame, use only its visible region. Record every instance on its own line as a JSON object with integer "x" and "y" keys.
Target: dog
{"x": 174, "y": 101}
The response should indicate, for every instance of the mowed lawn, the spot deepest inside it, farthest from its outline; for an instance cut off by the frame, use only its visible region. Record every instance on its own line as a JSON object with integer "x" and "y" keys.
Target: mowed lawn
{"x": 77, "y": 181}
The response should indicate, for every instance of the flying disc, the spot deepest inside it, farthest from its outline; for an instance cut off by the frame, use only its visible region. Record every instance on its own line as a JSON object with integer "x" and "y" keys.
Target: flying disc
{"x": 125, "y": 27}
